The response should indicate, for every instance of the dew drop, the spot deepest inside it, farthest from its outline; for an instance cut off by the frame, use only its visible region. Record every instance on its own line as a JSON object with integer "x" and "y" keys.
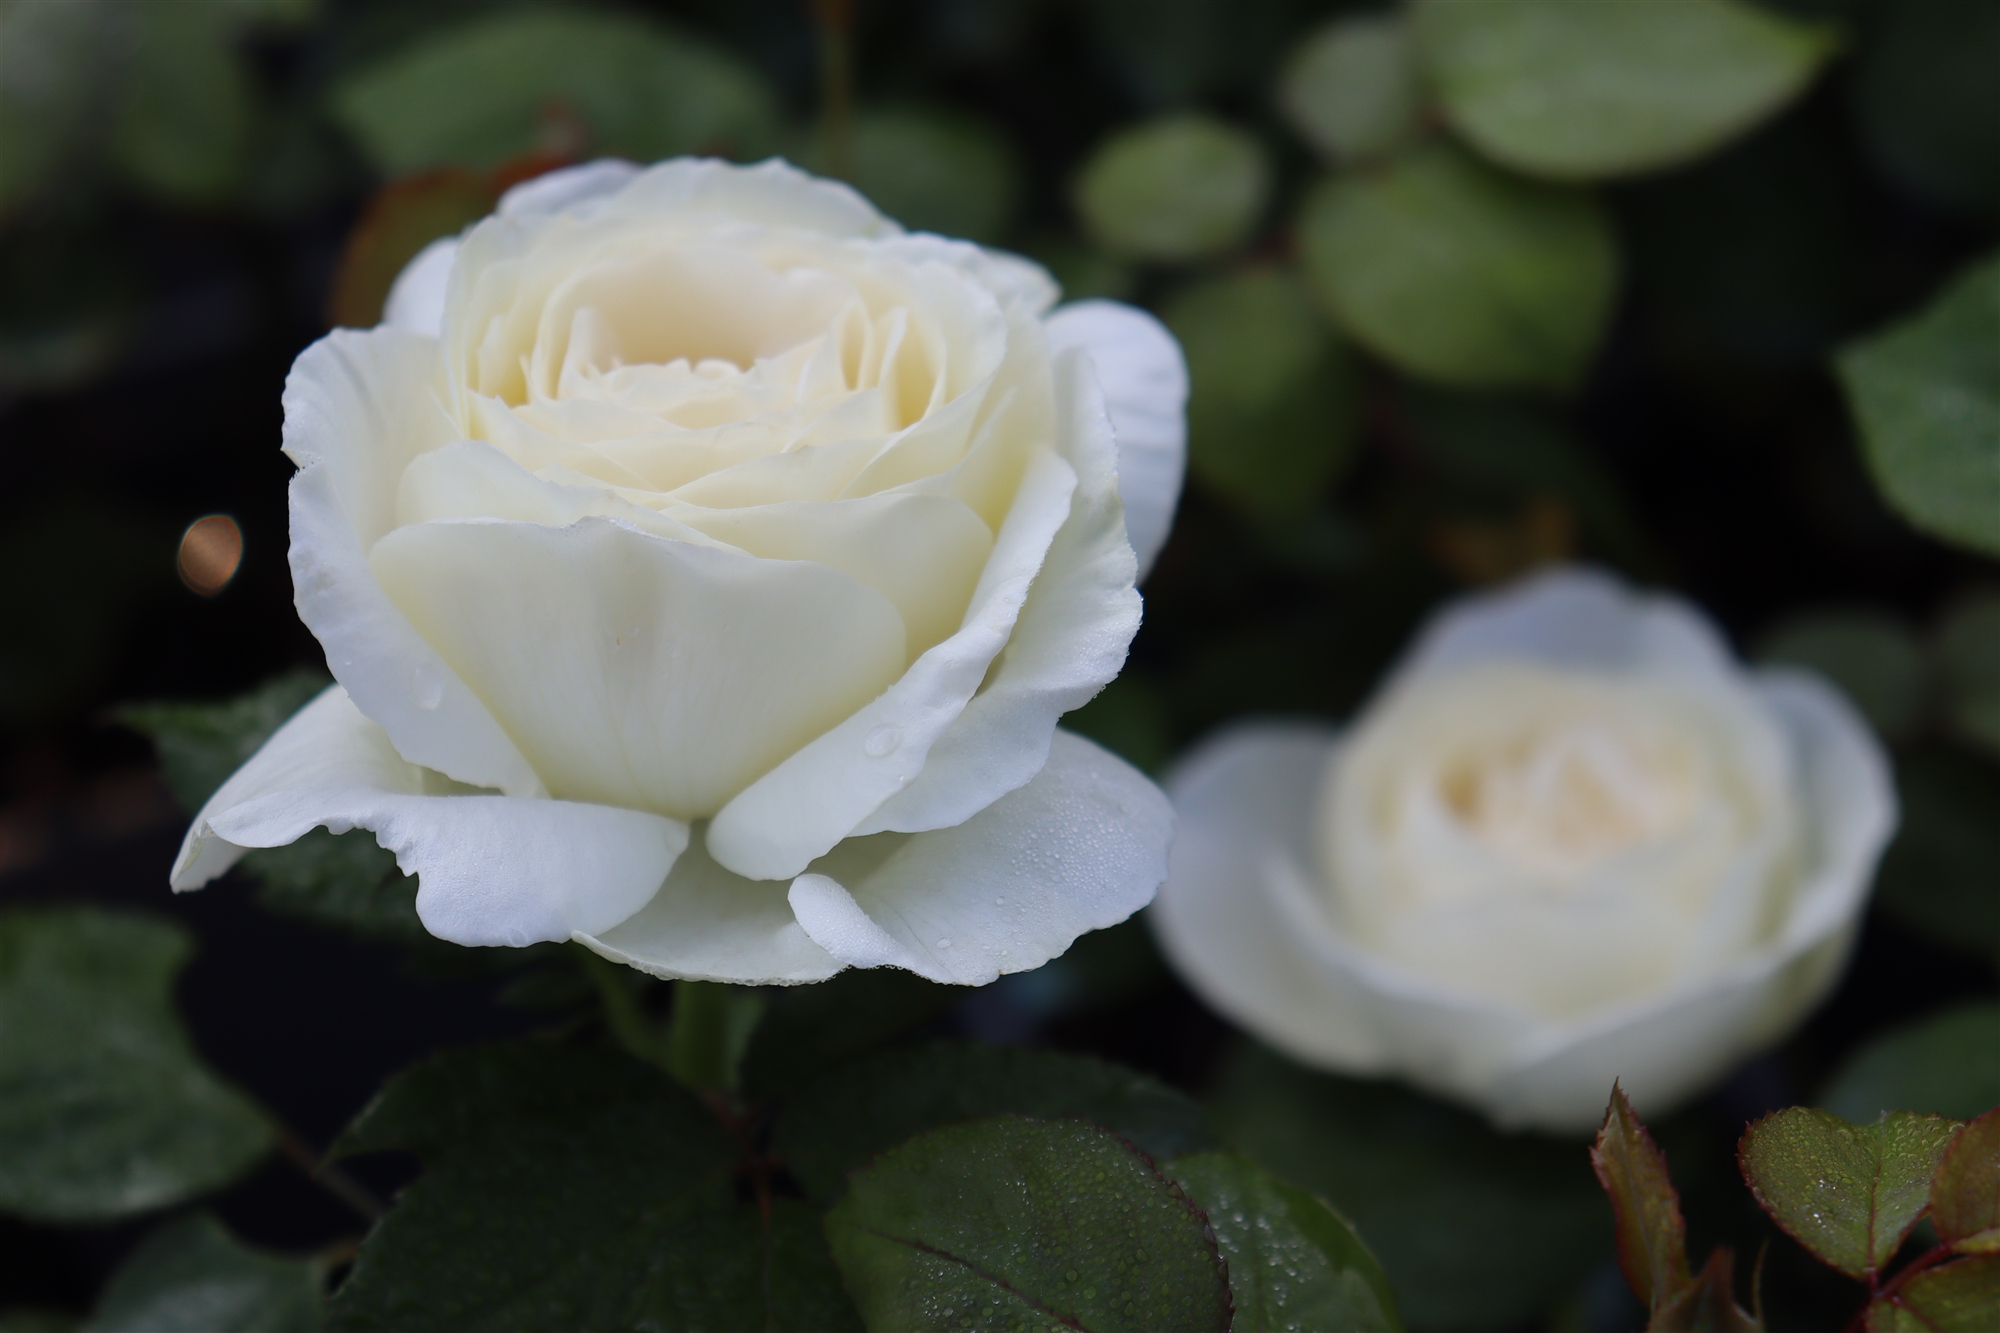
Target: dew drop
{"x": 944, "y": 944}
{"x": 882, "y": 741}
{"x": 426, "y": 688}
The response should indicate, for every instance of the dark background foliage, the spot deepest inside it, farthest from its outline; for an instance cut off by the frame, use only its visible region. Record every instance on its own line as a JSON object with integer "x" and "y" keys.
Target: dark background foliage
{"x": 150, "y": 306}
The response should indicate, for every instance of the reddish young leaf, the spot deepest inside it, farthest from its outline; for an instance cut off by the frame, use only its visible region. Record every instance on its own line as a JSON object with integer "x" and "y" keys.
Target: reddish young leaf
{"x": 1849, "y": 1193}
{"x": 1707, "y": 1304}
{"x": 1959, "y": 1297}
{"x": 1652, "y": 1240}
{"x": 1965, "y": 1196}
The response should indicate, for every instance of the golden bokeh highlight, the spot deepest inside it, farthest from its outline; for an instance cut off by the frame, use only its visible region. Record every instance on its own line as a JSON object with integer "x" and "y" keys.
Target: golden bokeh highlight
{"x": 211, "y": 549}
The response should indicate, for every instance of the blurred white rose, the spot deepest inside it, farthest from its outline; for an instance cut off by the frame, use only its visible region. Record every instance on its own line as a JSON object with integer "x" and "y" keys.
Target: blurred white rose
{"x": 1571, "y": 840}
{"x": 704, "y": 563}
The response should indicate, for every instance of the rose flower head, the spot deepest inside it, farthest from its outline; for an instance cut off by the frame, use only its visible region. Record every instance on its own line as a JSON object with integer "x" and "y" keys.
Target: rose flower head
{"x": 704, "y": 563}
{"x": 1570, "y": 840}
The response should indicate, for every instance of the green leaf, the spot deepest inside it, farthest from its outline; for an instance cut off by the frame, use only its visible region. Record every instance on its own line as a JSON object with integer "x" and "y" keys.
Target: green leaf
{"x": 200, "y": 745}
{"x": 1961, "y": 1297}
{"x": 347, "y": 882}
{"x": 1459, "y": 273}
{"x": 1652, "y": 1238}
{"x": 841, "y": 1121}
{"x": 1006, "y": 1222}
{"x": 60, "y": 60}
{"x": 1926, "y": 394}
{"x": 710, "y": 1029}
{"x": 1870, "y": 654}
{"x": 1849, "y": 1193}
{"x": 936, "y": 170}
{"x": 104, "y": 1108}
{"x": 1923, "y": 95}
{"x": 187, "y": 109}
{"x": 1350, "y": 89}
{"x": 504, "y": 84}
{"x": 1274, "y": 405}
{"x": 573, "y": 1188}
{"x": 191, "y": 1276}
{"x": 1708, "y": 1303}
{"x": 1174, "y": 189}
{"x": 1294, "y": 1263}
{"x": 1965, "y": 1197}
{"x": 1575, "y": 91}
{"x": 1477, "y": 1230}
{"x": 1948, "y": 1064}
{"x": 1937, "y": 876}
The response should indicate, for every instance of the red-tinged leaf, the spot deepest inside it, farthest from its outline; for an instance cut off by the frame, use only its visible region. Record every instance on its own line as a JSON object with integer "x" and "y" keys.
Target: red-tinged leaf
{"x": 1652, "y": 1240}
{"x": 1959, "y": 1297}
{"x": 1707, "y": 1304}
{"x": 400, "y": 220}
{"x": 1965, "y": 1196}
{"x": 1849, "y": 1193}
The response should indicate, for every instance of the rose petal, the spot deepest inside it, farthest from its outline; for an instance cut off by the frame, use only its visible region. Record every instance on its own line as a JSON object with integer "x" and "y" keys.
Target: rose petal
{"x": 707, "y": 924}
{"x": 773, "y": 193}
{"x": 359, "y": 406}
{"x": 490, "y": 869}
{"x": 1145, "y": 384}
{"x": 1578, "y": 618}
{"x": 775, "y": 827}
{"x": 1081, "y": 847}
{"x": 567, "y": 189}
{"x": 1070, "y": 639}
{"x": 638, "y": 671}
{"x": 416, "y": 297}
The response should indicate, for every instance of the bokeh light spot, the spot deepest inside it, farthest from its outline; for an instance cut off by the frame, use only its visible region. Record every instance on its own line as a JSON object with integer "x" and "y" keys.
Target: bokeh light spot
{"x": 211, "y": 549}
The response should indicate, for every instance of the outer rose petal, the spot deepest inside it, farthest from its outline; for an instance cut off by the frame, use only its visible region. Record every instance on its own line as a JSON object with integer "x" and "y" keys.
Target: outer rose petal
{"x": 358, "y": 407}
{"x": 491, "y": 869}
{"x": 1081, "y": 847}
{"x": 1069, "y": 641}
{"x": 810, "y": 802}
{"x": 567, "y": 188}
{"x": 707, "y": 924}
{"x": 1241, "y": 918}
{"x": 773, "y": 193}
{"x": 1579, "y": 618}
{"x": 1144, "y": 378}
{"x": 416, "y": 298}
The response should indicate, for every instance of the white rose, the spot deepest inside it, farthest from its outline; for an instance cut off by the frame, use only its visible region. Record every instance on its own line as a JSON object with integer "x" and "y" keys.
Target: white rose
{"x": 1571, "y": 840}
{"x": 704, "y": 563}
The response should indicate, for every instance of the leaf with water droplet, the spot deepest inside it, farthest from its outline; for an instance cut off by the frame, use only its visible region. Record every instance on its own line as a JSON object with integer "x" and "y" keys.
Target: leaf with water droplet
{"x": 1849, "y": 1193}
{"x": 1965, "y": 1197}
{"x": 950, "y": 1220}
{"x": 1294, "y": 1263}
{"x": 574, "y": 1188}
{"x": 842, "y": 1120}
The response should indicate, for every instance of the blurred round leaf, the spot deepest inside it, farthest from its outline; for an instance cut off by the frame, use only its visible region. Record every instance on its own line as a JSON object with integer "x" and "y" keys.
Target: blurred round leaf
{"x": 56, "y": 63}
{"x": 1577, "y": 91}
{"x": 937, "y": 171}
{"x": 187, "y": 108}
{"x": 1463, "y": 274}
{"x": 1948, "y": 1064}
{"x": 1350, "y": 89}
{"x": 104, "y": 1108}
{"x": 1173, "y": 189}
{"x": 1924, "y": 91}
{"x": 1870, "y": 654}
{"x": 192, "y": 1275}
{"x": 1273, "y": 404}
{"x": 1926, "y": 393}
{"x": 1937, "y": 875}
{"x": 503, "y": 84}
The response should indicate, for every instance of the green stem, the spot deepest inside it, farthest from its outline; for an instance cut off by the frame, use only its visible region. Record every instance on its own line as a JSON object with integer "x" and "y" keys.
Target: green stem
{"x": 628, "y": 1020}
{"x": 711, "y": 1030}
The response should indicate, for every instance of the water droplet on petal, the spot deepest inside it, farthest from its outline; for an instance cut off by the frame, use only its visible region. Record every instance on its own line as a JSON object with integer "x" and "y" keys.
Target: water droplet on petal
{"x": 944, "y": 944}
{"x": 426, "y": 688}
{"x": 882, "y": 741}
